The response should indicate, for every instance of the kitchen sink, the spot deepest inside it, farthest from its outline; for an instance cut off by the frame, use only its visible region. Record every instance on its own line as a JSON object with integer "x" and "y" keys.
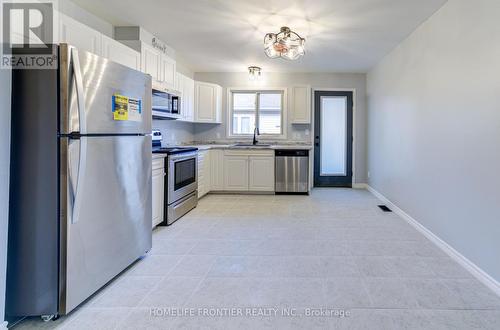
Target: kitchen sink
{"x": 250, "y": 145}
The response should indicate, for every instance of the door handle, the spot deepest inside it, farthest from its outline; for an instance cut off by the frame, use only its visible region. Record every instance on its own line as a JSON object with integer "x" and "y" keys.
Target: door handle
{"x": 80, "y": 90}
{"x": 78, "y": 188}
{"x": 82, "y": 157}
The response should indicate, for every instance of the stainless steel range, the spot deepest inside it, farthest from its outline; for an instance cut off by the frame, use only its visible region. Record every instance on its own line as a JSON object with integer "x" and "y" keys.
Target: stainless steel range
{"x": 181, "y": 181}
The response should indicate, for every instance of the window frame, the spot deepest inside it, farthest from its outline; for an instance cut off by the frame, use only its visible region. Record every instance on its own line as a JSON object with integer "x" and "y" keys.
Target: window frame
{"x": 230, "y": 112}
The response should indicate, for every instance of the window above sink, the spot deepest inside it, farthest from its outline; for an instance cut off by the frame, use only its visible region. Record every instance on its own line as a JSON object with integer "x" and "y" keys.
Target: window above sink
{"x": 262, "y": 108}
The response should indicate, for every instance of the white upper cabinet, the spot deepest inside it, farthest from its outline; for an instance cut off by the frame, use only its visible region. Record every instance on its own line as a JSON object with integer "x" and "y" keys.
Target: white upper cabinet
{"x": 188, "y": 99}
{"x": 119, "y": 53}
{"x": 185, "y": 85}
{"x": 207, "y": 102}
{"x": 79, "y": 35}
{"x": 168, "y": 71}
{"x": 151, "y": 61}
{"x": 161, "y": 67}
{"x": 301, "y": 110}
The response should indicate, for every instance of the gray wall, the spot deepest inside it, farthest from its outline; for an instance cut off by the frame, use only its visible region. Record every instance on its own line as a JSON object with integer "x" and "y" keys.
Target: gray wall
{"x": 434, "y": 128}
{"x": 210, "y": 132}
{"x": 5, "y": 88}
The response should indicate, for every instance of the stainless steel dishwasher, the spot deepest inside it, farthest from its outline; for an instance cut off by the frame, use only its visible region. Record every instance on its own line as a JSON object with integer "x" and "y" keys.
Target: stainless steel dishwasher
{"x": 292, "y": 171}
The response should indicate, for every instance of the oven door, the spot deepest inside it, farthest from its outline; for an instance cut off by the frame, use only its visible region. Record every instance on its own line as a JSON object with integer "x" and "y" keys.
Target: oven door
{"x": 182, "y": 175}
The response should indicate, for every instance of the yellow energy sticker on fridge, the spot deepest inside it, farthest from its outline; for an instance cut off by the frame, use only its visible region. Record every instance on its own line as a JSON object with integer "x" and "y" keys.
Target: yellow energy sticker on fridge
{"x": 120, "y": 107}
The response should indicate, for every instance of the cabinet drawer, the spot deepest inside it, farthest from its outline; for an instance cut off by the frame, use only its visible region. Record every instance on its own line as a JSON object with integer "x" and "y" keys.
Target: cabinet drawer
{"x": 158, "y": 163}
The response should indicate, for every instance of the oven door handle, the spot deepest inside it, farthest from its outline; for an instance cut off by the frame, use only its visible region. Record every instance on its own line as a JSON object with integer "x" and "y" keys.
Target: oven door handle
{"x": 181, "y": 157}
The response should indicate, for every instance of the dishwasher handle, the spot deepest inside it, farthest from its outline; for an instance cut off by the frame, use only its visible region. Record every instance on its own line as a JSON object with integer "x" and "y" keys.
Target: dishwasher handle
{"x": 291, "y": 153}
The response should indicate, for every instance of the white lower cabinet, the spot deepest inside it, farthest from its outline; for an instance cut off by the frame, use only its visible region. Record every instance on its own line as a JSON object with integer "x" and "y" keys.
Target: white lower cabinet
{"x": 261, "y": 173}
{"x": 203, "y": 173}
{"x": 235, "y": 173}
{"x": 158, "y": 194}
{"x": 248, "y": 170}
{"x": 217, "y": 170}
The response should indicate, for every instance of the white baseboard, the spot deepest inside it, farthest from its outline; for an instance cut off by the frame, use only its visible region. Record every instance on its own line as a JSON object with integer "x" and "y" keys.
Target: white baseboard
{"x": 360, "y": 186}
{"x": 3, "y": 325}
{"x": 477, "y": 272}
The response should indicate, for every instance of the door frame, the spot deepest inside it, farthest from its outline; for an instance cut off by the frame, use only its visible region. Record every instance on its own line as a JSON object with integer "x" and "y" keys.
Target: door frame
{"x": 313, "y": 131}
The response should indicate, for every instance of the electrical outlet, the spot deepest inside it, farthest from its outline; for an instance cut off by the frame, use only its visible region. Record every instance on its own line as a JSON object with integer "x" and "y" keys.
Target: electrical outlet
{"x": 368, "y": 174}
{"x": 307, "y": 132}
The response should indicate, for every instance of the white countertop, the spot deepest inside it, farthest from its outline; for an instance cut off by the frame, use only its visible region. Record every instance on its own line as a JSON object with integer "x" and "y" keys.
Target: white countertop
{"x": 202, "y": 147}
{"x": 233, "y": 147}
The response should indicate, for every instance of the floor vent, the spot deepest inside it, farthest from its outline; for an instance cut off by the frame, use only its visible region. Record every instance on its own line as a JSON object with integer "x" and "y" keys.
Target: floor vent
{"x": 385, "y": 208}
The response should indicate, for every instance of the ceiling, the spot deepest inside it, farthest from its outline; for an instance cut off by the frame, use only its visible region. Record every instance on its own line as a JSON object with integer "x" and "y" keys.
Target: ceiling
{"x": 227, "y": 35}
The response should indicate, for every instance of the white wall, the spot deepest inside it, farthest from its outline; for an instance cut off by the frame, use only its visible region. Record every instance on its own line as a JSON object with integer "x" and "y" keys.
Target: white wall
{"x": 174, "y": 132}
{"x": 74, "y": 11}
{"x": 5, "y": 89}
{"x": 434, "y": 128}
{"x": 210, "y": 132}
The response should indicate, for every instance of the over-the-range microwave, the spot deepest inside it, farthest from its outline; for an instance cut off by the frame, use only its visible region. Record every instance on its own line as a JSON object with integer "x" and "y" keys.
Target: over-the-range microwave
{"x": 166, "y": 103}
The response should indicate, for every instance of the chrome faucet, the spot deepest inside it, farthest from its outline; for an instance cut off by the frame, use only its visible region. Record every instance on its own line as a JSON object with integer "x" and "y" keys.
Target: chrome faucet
{"x": 255, "y": 133}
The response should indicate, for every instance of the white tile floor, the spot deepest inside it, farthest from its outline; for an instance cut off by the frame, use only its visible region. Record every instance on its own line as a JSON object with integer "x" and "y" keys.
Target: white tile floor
{"x": 333, "y": 250}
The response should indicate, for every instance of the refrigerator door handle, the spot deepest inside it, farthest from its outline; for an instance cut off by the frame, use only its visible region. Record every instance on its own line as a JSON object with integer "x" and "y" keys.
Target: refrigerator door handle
{"x": 80, "y": 91}
{"x": 82, "y": 158}
{"x": 78, "y": 188}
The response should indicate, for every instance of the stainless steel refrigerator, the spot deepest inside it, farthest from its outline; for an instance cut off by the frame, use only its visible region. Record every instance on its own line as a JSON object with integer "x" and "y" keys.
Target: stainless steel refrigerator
{"x": 80, "y": 188}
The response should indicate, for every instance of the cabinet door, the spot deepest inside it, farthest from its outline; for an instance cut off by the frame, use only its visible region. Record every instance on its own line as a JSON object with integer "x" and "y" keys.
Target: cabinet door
{"x": 158, "y": 184}
{"x": 188, "y": 98}
{"x": 261, "y": 173}
{"x": 179, "y": 82}
{"x": 217, "y": 170}
{"x": 301, "y": 113}
{"x": 185, "y": 85}
{"x": 236, "y": 173}
{"x": 205, "y": 102}
{"x": 207, "y": 170}
{"x": 203, "y": 173}
{"x": 79, "y": 35}
{"x": 218, "y": 104}
{"x": 168, "y": 71}
{"x": 120, "y": 53}
{"x": 151, "y": 61}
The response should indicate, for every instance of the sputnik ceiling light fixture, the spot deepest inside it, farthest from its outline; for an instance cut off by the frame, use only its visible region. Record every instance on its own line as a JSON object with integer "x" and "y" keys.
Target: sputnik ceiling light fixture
{"x": 285, "y": 44}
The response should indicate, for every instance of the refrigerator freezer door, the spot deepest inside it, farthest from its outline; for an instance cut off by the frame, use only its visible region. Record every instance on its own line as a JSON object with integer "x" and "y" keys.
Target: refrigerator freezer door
{"x": 113, "y": 226}
{"x": 89, "y": 85}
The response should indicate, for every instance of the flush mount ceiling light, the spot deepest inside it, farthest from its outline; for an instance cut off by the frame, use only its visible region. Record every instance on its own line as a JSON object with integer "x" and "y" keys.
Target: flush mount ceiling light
{"x": 285, "y": 44}
{"x": 254, "y": 72}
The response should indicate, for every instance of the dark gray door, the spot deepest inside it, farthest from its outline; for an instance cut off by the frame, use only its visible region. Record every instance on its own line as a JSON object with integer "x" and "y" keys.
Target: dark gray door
{"x": 333, "y": 138}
